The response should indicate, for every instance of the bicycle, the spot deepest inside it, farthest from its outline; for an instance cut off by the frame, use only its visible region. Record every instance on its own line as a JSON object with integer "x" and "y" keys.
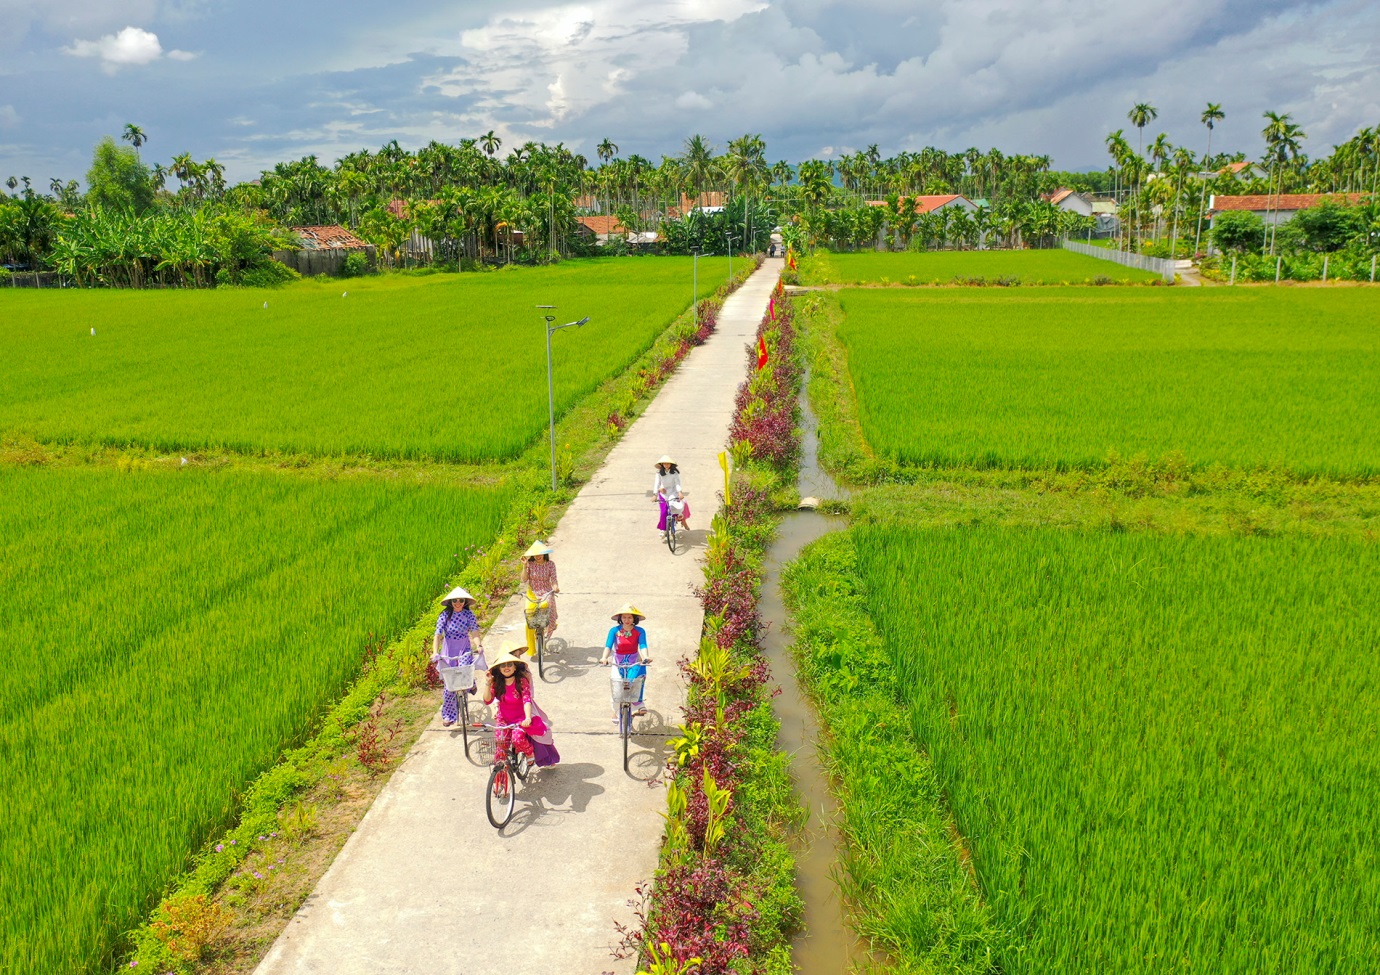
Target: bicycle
{"x": 459, "y": 680}
{"x": 674, "y": 507}
{"x": 501, "y": 796}
{"x": 627, "y": 692}
{"x": 538, "y": 614}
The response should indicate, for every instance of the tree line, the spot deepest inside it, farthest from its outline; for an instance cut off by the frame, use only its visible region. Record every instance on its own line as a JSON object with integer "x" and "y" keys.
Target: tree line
{"x": 181, "y": 224}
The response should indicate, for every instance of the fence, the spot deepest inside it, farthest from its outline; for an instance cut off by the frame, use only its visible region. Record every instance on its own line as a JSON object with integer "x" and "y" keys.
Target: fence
{"x": 34, "y": 279}
{"x": 1156, "y": 265}
{"x": 324, "y": 260}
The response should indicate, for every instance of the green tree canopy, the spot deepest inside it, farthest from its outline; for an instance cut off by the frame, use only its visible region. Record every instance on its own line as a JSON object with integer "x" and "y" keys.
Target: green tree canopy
{"x": 1329, "y": 226}
{"x": 1237, "y": 230}
{"x": 117, "y": 179}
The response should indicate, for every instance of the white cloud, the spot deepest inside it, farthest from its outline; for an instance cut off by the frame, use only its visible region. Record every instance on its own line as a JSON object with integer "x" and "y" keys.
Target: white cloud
{"x": 557, "y": 63}
{"x": 9, "y": 118}
{"x": 693, "y": 101}
{"x": 131, "y": 46}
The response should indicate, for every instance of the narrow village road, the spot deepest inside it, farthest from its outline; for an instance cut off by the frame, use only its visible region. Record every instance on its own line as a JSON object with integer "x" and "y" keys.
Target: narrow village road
{"x": 426, "y": 885}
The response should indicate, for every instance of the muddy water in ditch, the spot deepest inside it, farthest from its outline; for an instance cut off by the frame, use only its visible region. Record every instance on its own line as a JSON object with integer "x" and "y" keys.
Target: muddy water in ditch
{"x": 826, "y": 946}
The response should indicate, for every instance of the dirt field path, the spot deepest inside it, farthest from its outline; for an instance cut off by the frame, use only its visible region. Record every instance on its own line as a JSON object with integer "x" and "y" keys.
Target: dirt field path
{"x": 426, "y": 885}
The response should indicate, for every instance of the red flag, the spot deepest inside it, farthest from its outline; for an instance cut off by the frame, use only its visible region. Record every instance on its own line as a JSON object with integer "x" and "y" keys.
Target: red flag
{"x": 771, "y": 308}
{"x": 761, "y": 351}
{"x": 790, "y": 259}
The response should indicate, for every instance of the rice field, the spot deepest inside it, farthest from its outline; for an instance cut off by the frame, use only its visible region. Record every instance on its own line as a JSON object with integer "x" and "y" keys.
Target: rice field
{"x": 1065, "y": 377}
{"x": 164, "y": 634}
{"x": 1029, "y": 267}
{"x": 450, "y": 367}
{"x": 1162, "y": 753}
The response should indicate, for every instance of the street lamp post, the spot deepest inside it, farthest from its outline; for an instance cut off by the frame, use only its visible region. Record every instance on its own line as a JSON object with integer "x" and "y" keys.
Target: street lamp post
{"x": 695, "y": 297}
{"x": 550, "y": 385}
{"x": 729, "y": 237}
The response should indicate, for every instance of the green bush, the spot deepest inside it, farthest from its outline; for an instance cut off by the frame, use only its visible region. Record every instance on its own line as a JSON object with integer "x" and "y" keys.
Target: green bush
{"x": 356, "y": 265}
{"x": 1237, "y": 230}
{"x": 5, "y": 275}
{"x": 269, "y": 274}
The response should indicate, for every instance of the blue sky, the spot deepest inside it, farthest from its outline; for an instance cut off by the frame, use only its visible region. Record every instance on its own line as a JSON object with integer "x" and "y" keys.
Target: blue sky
{"x": 254, "y": 82}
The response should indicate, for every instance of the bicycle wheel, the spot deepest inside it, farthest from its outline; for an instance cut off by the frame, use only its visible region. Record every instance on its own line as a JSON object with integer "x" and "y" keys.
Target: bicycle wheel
{"x": 625, "y": 729}
{"x": 541, "y": 650}
{"x": 501, "y": 796}
{"x": 671, "y": 535}
{"x": 465, "y": 719}
{"x": 523, "y": 766}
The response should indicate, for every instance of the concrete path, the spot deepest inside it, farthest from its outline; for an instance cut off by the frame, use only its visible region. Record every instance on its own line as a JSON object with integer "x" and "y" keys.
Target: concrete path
{"x": 426, "y": 885}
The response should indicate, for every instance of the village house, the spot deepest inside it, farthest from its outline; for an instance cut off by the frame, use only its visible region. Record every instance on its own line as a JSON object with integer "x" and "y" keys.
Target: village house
{"x": 322, "y": 250}
{"x": 1276, "y": 208}
{"x": 1071, "y": 201}
{"x": 604, "y": 229}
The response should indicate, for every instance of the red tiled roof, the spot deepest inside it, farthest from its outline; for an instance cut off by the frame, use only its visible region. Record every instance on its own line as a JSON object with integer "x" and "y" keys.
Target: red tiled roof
{"x": 1236, "y": 167}
{"x": 1060, "y": 195}
{"x": 1278, "y": 201}
{"x": 925, "y": 204}
{"x": 706, "y": 200}
{"x": 322, "y": 238}
{"x": 602, "y": 225}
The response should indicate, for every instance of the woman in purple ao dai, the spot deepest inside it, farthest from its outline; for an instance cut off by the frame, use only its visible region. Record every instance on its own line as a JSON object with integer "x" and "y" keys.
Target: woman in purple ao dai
{"x": 456, "y": 644}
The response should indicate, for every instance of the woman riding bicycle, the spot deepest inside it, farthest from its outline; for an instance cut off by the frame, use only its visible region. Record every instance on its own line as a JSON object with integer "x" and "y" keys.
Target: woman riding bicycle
{"x": 509, "y": 682}
{"x": 539, "y": 580}
{"x": 667, "y": 489}
{"x": 456, "y": 644}
{"x": 627, "y": 641}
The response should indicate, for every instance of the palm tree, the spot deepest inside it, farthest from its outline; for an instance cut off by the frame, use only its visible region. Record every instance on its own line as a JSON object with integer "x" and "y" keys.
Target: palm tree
{"x": 1183, "y": 162}
{"x": 698, "y": 163}
{"x": 1141, "y": 115}
{"x": 1281, "y": 145}
{"x": 1120, "y": 151}
{"x": 490, "y": 142}
{"x": 1211, "y": 115}
{"x": 134, "y": 136}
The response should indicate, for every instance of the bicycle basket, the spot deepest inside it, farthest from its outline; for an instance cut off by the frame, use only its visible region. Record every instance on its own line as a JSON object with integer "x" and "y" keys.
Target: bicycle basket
{"x": 626, "y": 690}
{"x": 538, "y": 618}
{"x": 456, "y": 678}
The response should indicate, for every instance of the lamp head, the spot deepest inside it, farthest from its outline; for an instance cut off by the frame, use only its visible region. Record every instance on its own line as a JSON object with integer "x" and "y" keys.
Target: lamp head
{"x": 582, "y": 321}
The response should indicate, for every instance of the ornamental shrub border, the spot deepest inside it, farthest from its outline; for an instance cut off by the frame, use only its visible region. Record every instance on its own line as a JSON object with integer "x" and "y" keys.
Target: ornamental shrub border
{"x": 724, "y": 897}
{"x": 183, "y": 924}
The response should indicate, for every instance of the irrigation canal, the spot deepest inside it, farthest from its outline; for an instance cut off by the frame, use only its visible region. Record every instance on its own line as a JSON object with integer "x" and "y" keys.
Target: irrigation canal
{"x": 825, "y": 946}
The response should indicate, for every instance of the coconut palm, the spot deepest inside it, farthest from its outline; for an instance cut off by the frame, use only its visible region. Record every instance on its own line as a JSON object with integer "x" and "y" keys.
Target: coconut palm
{"x": 134, "y": 136}
{"x": 1210, "y": 117}
{"x": 1282, "y": 146}
{"x": 1141, "y": 115}
{"x": 697, "y": 160}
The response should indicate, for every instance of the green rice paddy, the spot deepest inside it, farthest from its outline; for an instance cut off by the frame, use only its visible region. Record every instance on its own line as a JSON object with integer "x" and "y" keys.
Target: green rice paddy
{"x": 450, "y": 367}
{"x": 1066, "y": 377}
{"x": 966, "y": 267}
{"x": 164, "y": 635}
{"x": 1161, "y": 752}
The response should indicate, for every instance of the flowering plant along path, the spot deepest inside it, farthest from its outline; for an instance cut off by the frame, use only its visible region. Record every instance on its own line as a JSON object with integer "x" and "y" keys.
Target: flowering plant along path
{"x": 426, "y": 885}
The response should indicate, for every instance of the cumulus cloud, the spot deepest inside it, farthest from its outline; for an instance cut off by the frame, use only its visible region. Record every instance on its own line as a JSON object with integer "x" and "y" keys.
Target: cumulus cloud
{"x": 558, "y": 62}
{"x": 693, "y": 100}
{"x": 131, "y": 46}
{"x": 9, "y": 117}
